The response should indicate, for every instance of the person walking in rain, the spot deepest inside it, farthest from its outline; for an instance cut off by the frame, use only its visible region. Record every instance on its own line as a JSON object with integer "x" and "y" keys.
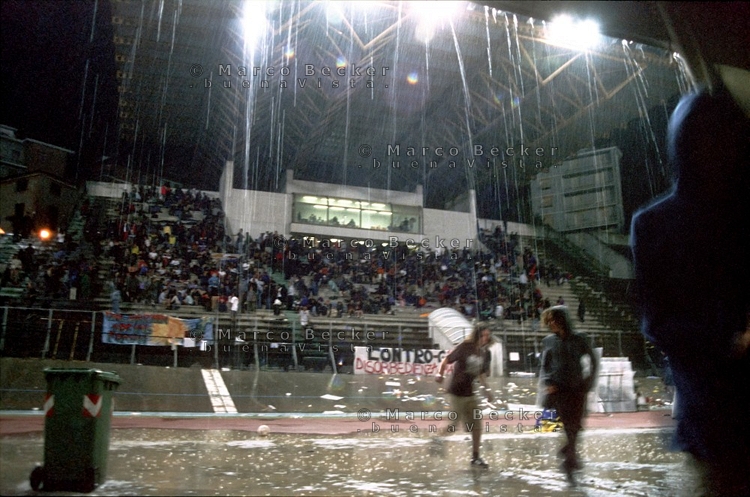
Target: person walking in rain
{"x": 471, "y": 360}
{"x": 566, "y": 376}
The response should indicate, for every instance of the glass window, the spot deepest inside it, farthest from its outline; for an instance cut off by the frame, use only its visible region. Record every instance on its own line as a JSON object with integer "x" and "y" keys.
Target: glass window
{"x": 376, "y": 216}
{"x": 349, "y": 213}
{"x": 311, "y": 210}
{"x": 406, "y": 219}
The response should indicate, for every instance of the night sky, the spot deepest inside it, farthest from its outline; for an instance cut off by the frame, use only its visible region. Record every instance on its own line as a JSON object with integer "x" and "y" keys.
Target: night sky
{"x": 46, "y": 45}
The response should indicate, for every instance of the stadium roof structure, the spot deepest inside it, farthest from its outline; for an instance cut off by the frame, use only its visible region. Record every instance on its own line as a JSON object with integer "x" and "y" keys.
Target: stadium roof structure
{"x": 338, "y": 91}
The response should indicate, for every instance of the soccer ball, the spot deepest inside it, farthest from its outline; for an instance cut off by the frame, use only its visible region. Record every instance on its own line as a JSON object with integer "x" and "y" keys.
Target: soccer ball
{"x": 264, "y": 430}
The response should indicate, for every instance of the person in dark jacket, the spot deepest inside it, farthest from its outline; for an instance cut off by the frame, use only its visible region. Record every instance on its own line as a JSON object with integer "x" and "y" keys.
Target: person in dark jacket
{"x": 690, "y": 255}
{"x": 566, "y": 376}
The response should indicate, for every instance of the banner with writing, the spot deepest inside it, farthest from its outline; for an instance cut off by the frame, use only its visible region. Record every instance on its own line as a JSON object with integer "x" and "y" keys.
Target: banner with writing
{"x": 389, "y": 360}
{"x": 154, "y": 329}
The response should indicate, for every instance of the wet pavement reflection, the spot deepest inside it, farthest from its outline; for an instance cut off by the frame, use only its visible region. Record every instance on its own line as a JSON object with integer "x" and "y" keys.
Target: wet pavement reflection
{"x": 224, "y": 462}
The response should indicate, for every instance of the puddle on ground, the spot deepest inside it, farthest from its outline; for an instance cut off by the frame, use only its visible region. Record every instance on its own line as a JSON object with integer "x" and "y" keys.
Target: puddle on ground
{"x": 188, "y": 462}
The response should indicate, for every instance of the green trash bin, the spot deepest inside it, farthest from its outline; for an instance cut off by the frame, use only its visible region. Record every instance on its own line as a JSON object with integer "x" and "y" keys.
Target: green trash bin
{"x": 78, "y": 413}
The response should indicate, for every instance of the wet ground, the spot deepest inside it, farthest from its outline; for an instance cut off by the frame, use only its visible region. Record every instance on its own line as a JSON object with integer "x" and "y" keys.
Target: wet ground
{"x": 158, "y": 389}
{"x": 330, "y": 435}
{"x": 229, "y": 462}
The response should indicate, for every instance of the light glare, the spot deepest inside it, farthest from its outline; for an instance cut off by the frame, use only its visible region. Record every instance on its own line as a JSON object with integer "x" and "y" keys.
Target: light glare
{"x": 430, "y": 15}
{"x": 580, "y": 34}
{"x": 254, "y": 22}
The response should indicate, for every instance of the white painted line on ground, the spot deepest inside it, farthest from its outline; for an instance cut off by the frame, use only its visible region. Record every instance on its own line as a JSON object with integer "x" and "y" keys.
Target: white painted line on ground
{"x": 217, "y": 389}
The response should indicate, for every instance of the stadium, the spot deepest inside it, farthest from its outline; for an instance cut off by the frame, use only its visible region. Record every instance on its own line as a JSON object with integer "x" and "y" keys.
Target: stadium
{"x": 235, "y": 193}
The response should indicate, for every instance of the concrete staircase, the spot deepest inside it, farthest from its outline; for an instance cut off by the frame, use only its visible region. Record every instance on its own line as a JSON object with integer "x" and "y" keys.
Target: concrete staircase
{"x": 607, "y": 302}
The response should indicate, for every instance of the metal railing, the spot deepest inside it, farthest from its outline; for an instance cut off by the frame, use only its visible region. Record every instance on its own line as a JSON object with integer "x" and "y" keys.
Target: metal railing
{"x": 259, "y": 340}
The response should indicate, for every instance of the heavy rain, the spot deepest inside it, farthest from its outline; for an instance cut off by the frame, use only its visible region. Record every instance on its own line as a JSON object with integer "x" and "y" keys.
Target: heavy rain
{"x": 423, "y": 147}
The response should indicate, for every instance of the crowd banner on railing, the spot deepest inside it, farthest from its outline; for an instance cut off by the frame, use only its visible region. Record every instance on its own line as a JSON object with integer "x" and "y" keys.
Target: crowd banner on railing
{"x": 155, "y": 329}
{"x": 388, "y": 360}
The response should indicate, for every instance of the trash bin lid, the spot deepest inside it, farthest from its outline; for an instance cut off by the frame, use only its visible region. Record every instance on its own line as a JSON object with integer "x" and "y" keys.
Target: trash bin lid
{"x": 96, "y": 373}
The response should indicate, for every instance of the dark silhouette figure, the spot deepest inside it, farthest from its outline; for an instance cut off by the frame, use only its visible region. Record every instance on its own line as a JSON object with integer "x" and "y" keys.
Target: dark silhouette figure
{"x": 691, "y": 262}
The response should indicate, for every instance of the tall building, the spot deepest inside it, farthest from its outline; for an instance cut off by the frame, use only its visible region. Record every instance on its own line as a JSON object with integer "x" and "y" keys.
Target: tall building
{"x": 583, "y": 193}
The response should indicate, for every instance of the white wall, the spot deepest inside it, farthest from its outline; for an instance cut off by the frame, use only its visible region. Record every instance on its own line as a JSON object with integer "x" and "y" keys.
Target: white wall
{"x": 257, "y": 212}
{"x": 353, "y": 192}
{"x": 449, "y": 225}
{"x": 109, "y": 190}
{"x": 225, "y": 183}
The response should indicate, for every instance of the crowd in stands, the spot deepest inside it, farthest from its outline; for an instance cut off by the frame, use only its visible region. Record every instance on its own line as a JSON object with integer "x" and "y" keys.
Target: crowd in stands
{"x": 168, "y": 248}
{"x": 165, "y": 263}
{"x": 63, "y": 272}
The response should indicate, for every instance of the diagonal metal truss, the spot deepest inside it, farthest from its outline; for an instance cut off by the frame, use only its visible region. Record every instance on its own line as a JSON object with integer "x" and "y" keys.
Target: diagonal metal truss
{"x": 485, "y": 78}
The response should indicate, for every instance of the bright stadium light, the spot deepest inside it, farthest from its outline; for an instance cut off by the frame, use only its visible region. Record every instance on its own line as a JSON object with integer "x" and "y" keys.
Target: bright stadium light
{"x": 430, "y": 15}
{"x": 254, "y": 22}
{"x": 580, "y": 34}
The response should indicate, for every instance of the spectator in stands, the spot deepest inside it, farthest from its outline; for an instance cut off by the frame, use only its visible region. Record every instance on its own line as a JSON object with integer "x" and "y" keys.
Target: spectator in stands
{"x": 154, "y": 251}
{"x": 234, "y": 306}
{"x": 690, "y": 253}
{"x": 240, "y": 241}
{"x": 277, "y": 306}
{"x": 251, "y": 299}
{"x": 581, "y": 311}
{"x": 163, "y": 299}
{"x": 499, "y": 311}
{"x": 261, "y": 290}
{"x": 186, "y": 298}
{"x": 174, "y": 301}
{"x": 304, "y": 317}
{"x": 213, "y": 284}
{"x": 291, "y": 295}
{"x": 116, "y": 297}
{"x": 340, "y": 309}
{"x": 85, "y": 288}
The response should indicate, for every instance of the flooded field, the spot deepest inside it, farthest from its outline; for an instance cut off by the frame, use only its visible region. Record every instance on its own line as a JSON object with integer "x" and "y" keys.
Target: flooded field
{"x": 216, "y": 462}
